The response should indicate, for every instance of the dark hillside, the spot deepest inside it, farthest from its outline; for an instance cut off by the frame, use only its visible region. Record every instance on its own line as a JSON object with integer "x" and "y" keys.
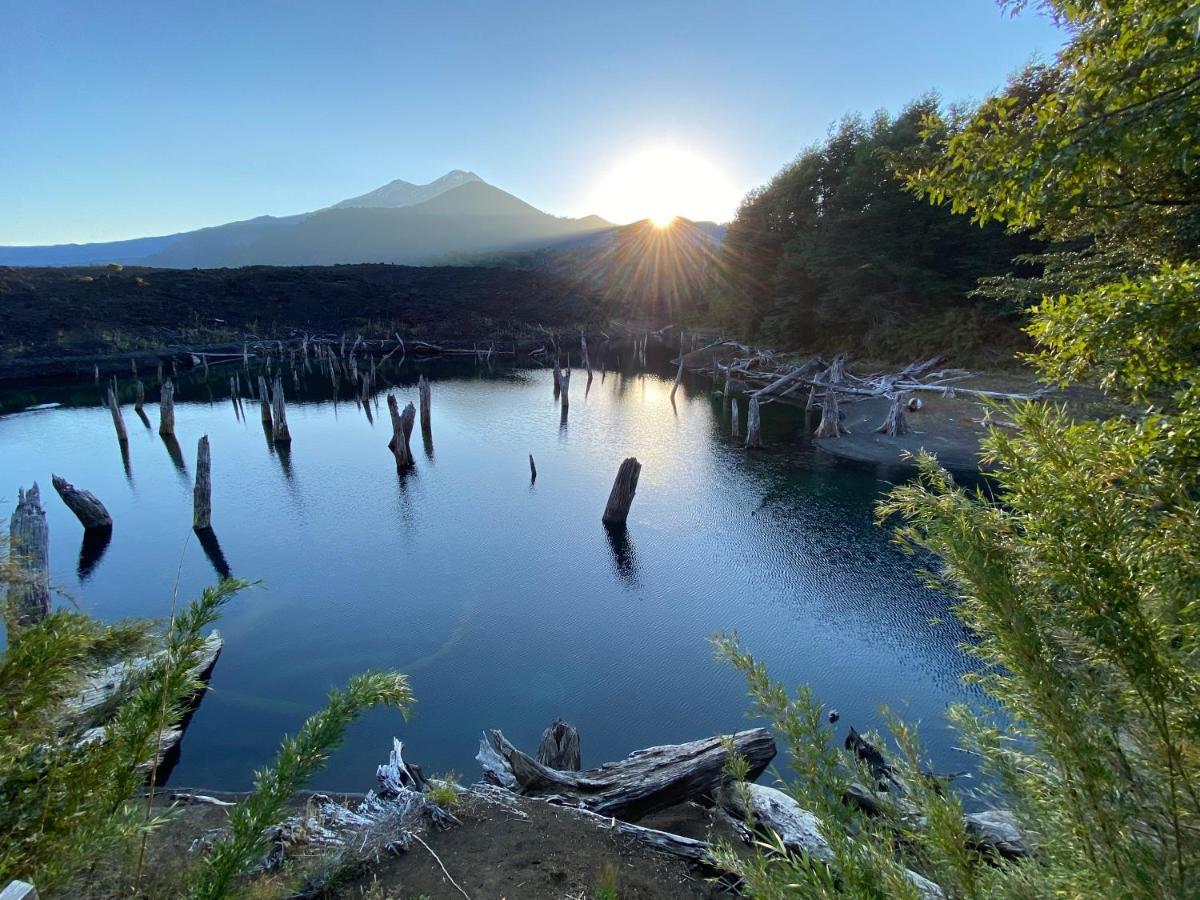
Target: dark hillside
{"x": 56, "y": 310}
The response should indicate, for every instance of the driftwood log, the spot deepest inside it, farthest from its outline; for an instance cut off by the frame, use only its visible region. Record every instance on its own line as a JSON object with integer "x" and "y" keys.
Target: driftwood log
{"x": 559, "y": 748}
{"x": 202, "y": 493}
{"x": 29, "y": 549}
{"x": 642, "y": 783}
{"x": 279, "y": 429}
{"x": 753, "y": 426}
{"x": 86, "y": 506}
{"x": 166, "y": 408}
{"x": 623, "y": 490}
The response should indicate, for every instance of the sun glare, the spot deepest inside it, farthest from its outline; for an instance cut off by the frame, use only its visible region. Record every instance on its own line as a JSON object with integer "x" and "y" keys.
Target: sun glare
{"x": 662, "y": 184}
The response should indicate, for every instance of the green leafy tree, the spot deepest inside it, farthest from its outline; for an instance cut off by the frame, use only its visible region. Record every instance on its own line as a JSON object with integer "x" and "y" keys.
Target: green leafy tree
{"x": 1081, "y": 580}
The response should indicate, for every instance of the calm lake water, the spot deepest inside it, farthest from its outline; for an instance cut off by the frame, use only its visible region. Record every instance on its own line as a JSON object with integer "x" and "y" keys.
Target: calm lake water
{"x": 508, "y": 604}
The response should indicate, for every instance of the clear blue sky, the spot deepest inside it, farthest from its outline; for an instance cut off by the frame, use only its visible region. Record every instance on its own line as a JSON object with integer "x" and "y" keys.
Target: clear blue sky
{"x": 135, "y": 118}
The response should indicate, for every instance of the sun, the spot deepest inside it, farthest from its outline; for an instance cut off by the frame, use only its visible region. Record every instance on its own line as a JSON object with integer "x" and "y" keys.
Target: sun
{"x": 661, "y": 184}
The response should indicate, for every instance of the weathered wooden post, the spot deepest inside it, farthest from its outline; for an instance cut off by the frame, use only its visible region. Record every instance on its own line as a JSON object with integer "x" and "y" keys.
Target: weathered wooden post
{"x": 753, "y": 426}
{"x": 532, "y": 470}
{"x": 87, "y": 508}
{"x": 118, "y": 420}
{"x": 166, "y": 409}
{"x": 264, "y": 402}
{"x": 423, "y": 390}
{"x": 29, "y": 549}
{"x": 623, "y": 490}
{"x": 566, "y": 388}
{"x": 279, "y": 431}
{"x": 202, "y": 495}
{"x": 139, "y": 396}
{"x": 896, "y": 423}
{"x": 679, "y": 373}
{"x": 737, "y": 427}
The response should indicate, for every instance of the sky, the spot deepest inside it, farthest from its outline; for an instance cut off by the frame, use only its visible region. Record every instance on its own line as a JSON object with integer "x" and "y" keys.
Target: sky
{"x": 134, "y": 118}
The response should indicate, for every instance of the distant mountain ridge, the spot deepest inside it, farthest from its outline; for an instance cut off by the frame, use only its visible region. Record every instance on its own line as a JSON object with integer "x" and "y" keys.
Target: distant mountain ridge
{"x": 399, "y": 222}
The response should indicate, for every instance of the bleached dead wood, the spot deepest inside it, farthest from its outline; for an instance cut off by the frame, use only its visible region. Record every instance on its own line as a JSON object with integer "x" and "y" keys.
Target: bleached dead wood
{"x": 566, "y": 385}
{"x": 29, "y": 550}
{"x": 735, "y": 416}
{"x": 139, "y": 395}
{"x": 86, "y": 506}
{"x": 166, "y": 409}
{"x": 644, "y": 782}
{"x": 202, "y": 493}
{"x": 105, "y": 686}
{"x": 616, "y": 512}
{"x": 831, "y": 417}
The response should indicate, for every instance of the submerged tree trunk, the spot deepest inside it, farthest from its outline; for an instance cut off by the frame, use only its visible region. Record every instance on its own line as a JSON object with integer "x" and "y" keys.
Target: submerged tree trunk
{"x": 753, "y": 426}
{"x": 623, "y": 490}
{"x": 29, "y": 549}
{"x": 202, "y": 494}
{"x": 139, "y": 396}
{"x": 118, "y": 421}
{"x": 279, "y": 429}
{"x": 423, "y": 391}
{"x": 166, "y": 409}
{"x": 86, "y": 506}
{"x": 264, "y": 403}
{"x": 402, "y": 426}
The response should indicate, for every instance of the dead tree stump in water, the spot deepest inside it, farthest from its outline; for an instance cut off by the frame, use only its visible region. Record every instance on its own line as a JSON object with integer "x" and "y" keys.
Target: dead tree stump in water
{"x": 559, "y": 748}
{"x": 424, "y": 392}
{"x": 264, "y": 403}
{"x": 679, "y": 372}
{"x": 623, "y": 490}
{"x": 279, "y": 430}
{"x": 402, "y": 426}
{"x": 736, "y": 427}
{"x": 86, "y": 506}
{"x": 118, "y": 421}
{"x": 896, "y": 423}
{"x": 139, "y": 396}
{"x": 202, "y": 495}
{"x": 831, "y": 417}
{"x": 532, "y": 470}
{"x": 566, "y": 388}
{"x": 166, "y": 409}
{"x": 728, "y": 383}
{"x": 753, "y": 426}
{"x": 29, "y": 549}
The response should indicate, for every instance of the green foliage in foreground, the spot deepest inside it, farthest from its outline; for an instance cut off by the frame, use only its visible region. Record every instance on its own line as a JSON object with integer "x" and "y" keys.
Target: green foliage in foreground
{"x": 70, "y": 811}
{"x": 1082, "y": 581}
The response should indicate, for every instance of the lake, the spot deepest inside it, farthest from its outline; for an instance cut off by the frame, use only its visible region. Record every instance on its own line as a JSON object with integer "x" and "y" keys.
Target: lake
{"x": 508, "y": 603}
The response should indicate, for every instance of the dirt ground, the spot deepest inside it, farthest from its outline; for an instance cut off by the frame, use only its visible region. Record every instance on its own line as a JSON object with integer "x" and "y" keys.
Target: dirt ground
{"x": 531, "y": 851}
